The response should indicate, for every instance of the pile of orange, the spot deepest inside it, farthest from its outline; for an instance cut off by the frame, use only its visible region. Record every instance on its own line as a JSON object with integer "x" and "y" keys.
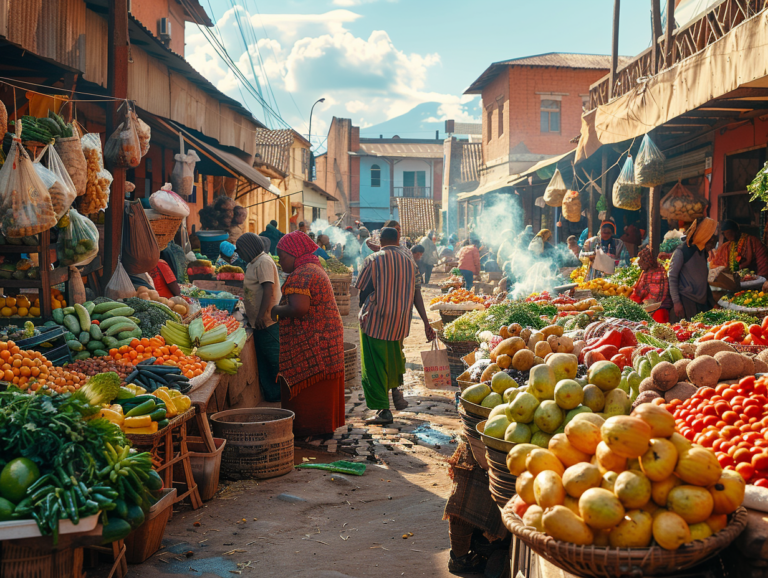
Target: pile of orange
{"x": 57, "y": 299}
{"x": 141, "y": 349}
{"x": 31, "y": 370}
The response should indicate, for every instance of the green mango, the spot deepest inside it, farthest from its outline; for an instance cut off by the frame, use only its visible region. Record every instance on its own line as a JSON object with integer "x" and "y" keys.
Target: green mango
{"x": 645, "y": 369}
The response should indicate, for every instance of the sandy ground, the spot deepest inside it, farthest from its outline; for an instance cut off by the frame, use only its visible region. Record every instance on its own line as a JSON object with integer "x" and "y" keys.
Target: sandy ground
{"x": 325, "y": 525}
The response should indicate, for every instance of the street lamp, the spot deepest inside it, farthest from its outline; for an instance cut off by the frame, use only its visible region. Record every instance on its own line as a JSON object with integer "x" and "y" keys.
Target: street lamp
{"x": 310, "y": 120}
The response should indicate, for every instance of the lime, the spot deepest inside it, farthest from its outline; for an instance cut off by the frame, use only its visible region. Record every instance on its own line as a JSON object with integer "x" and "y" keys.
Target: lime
{"x": 6, "y": 510}
{"x": 16, "y": 477}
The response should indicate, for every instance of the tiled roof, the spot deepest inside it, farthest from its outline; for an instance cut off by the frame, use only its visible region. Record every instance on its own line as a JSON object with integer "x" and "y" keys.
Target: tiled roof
{"x": 274, "y": 137}
{"x": 404, "y": 148}
{"x": 549, "y": 59}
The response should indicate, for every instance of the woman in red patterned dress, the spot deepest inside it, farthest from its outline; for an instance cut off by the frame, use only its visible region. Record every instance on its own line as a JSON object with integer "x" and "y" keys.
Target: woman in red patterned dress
{"x": 311, "y": 340}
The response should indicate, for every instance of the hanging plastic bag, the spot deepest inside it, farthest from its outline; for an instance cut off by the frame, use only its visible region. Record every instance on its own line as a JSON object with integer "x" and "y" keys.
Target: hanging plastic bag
{"x": 140, "y": 249}
{"x": 70, "y": 152}
{"x": 123, "y": 148}
{"x": 62, "y": 190}
{"x": 98, "y": 180}
{"x": 185, "y": 244}
{"x": 144, "y": 132}
{"x": 183, "y": 175}
{"x": 78, "y": 242}
{"x": 556, "y": 189}
{"x": 682, "y": 204}
{"x": 119, "y": 286}
{"x": 572, "y": 206}
{"x": 649, "y": 164}
{"x": 25, "y": 204}
{"x": 168, "y": 203}
{"x": 626, "y": 193}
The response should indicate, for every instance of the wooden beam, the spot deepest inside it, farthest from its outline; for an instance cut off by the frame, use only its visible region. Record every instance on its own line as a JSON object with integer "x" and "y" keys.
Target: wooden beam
{"x": 655, "y": 35}
{"x": 117, "y": 84}
{"x": 604, "y": 183}
{"x": 614, "y": 48}
{"x": 592, "y": 213}
{"x": 654, "y": 217}
{"x": 669, "y": 41}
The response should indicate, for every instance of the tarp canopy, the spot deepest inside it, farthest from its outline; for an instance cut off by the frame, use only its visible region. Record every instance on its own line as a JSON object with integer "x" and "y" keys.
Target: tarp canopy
{"x": 731, "y": 62}
{"x": 543, "y": 169}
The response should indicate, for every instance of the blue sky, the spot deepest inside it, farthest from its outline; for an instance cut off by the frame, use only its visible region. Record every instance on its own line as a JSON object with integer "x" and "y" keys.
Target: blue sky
{"x": 376, "y": 59}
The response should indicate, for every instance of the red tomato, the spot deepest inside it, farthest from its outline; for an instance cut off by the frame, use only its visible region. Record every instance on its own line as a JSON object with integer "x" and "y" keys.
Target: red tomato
{"x": 760, "y": 462}
{"x": 721, "y": 387}
{"x": 761, "y": 388}
{"x": 751, "y": 437}
{"x": 706, "y": 392}
{"x": 762, "y": 483}
{"x": 730, "y": 417}
{"x": 729, "y": 394}
{"x": 717, "y": 444}
{"x": 698, "y": 425}
{"x": 746, "y": 471}
{"x": 747, "y": 382}
{"x": 742, "y": 455}
{"x": 725, "y": 460}
{"x": 721, "y": 407}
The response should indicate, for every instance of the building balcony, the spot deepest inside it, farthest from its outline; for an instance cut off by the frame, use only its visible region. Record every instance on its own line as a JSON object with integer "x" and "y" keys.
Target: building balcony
{"x": 413, "y": 192}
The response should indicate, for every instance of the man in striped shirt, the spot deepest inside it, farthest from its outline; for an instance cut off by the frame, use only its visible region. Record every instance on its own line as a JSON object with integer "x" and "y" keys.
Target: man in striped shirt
{"x": 388, "y": 291}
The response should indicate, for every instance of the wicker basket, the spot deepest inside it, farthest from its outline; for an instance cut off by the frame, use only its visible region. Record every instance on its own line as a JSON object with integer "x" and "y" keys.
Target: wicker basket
{"x": 449, "y": 315}
{"x": 342, "y": 302}
{"x": 350, "y": 362}
{"x": 22, "y": 561}
{"x": 457, "y": 350}
{"x": 615, "y": 562}
{"x": 340, "y": 284}
{"x": 464, "y": 384}
{"x": 165, "y": 230}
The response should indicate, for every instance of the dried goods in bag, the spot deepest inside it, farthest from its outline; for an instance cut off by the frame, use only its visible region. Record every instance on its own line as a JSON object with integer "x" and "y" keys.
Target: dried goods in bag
{"x": 62, "y": 190}
{"x": 168, "y": 203}
{"x": 183, "y": 175}
{"x": 626, "y": 193}
{"x": 72, "y": 157}
{"x": 649, "y": 164}
{"x": 98, "y": 178}
{"x": 123, "y": 148}
{"x": 682, "y": 204}
{"x": 78, "y": 242}
{"x": 144, "y": 132}
{"x": 572, "y": 206}
{"x": 119, "y": 286}
{"x": 25, "y": 204}
{"x": 556, "y": 189}
{"x": 140, "y": 249}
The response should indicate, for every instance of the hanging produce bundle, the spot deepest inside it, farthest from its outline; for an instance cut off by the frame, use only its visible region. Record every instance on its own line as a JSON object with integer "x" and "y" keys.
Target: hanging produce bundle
{"x": 25, "y": 205}
{"x": 572, "y": 206}
{"x": 98, "y": 178}
{"x": 556, "y": 190}
{"x": 183, "y": 175}
{"x": 78, "y": 241}
{"x": 626, "y": 193}
{"x": 649, "y": 164}
{"x": 54, "y": 174}
{"x": 123, "y": 148}
{"x": 168, "y": 203}
{"x": 682, "y": 204}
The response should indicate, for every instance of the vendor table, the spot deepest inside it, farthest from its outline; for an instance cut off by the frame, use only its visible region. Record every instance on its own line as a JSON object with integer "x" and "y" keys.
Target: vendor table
{"x": 223, "y": 391}
{"x": 168, "y": 447}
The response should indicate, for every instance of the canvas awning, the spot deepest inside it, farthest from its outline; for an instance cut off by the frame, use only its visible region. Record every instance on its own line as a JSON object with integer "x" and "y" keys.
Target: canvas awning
{"x": 237, "y": 166}
{"x": 542, "y": 166}
{"x": 486, "y": 187}
{"x": 730, "y": 64}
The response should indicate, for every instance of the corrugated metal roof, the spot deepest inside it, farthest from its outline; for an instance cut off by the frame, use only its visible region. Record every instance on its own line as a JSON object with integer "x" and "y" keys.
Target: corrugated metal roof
{"x": 549, "y": 59}
{"x": 405, "y": 148}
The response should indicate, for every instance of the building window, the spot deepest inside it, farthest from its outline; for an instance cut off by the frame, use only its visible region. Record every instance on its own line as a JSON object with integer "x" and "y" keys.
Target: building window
{"x": 501, "y": 119}
{"x": 489, "y": 124}
{"x": 375, "y": 176}
{"x": 550, "y": 116}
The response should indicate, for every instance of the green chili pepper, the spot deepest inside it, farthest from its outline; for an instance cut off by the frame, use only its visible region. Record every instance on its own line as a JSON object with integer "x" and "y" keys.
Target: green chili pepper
{"x": 69, "y": 498}
{"x": 42, "y": 492}
{"x": 38, "y": 484}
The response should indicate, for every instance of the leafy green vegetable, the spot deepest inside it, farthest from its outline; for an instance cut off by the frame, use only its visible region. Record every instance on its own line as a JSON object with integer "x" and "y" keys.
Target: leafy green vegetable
{"x": 492, "y": 319}
{"x": 759, "y": 186}
{"x": 100, "y": 389}
{"x": 627, "y": 276}
{"x": 624, "y": 308}
{"x": 650, "y": 340}
{"x": 720, "y": 316}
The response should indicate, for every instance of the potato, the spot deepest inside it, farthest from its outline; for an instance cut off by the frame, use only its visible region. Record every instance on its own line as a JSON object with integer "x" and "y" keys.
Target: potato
{"x": 554, "y": 342}
{"x": 514, "y": 330}
{"x": 534, "y": 339}
{"x": 711, "y": 347}
{"x": 565, "y": 344}
{"x": 552, "y": 330}
{"x": 730, "y": 364}
{"x": 704, "y": 371}
{"x": 504, "y": 332}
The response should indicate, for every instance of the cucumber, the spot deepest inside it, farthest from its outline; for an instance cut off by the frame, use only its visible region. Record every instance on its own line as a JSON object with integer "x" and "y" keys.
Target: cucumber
{"x": 71, "y": 323}
{"x": 107, "y": 323}
{"x": 95, "y": 332}
{"x": 136, "y": 320}
{"x": 89, "y": 306}
{"x": 75, "y": 345}
{"x": 133, "y": 334}
{"x": 58, "y": 316}
{"x": 109, "y": 341}
{"x": 69, "y": 336}
{"x": 82, "y": 355}
{"x": 83, "y": 316}
{"x": 93, "y": 345}
{"x": 154, "y": 482}
{"x": 118, "y": 327}
{"x": 69, "y": 311}
{"x": 115, "y": 529}
{"x": 119, "y": 312}
{"x": 100, "y": 353}
{"x": 96, "y": 317}
{"x": 107, "y": 306}
{"x": 84, "y": 337}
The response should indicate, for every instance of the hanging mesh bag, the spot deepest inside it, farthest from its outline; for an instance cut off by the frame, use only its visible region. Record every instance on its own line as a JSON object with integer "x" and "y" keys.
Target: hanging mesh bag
{"x": 626, "y": 193}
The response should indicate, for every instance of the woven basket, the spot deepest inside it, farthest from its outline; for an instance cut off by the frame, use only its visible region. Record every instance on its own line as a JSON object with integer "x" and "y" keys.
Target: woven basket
{"x": 342, "y": 302}
{"x": 165, "y": 230}
{"x": 464, "y": 384}
{"x": 350, "y": 361}
{"x": 449, "y": 315}
{"x": 457, "y": 350}
{"x": 501, "y": 482}
{"x": 341, "y": 284}
{"x": 615, "y": 562}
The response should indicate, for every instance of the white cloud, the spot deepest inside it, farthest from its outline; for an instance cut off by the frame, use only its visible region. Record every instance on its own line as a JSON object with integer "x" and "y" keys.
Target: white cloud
{"x": 354, "y": 106}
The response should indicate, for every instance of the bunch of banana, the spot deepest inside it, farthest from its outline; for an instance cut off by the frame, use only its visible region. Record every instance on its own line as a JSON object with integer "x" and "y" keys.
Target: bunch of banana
{"x": 176, "y": 334}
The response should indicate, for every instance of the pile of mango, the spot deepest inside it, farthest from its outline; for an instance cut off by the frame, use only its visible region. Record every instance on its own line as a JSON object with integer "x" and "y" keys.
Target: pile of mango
{"x": 601, "y": 287}
{"x": 140, "y": 413}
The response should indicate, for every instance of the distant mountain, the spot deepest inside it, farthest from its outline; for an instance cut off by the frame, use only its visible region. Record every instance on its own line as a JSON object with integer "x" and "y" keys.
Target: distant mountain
{"x": 419, "y": 122}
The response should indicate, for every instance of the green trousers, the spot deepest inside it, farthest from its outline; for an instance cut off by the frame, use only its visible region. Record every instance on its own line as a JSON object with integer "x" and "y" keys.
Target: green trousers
{"x": 383, "y": 367}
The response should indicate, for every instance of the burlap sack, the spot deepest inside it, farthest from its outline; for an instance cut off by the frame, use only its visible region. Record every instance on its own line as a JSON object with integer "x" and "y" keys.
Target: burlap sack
{"x": 556, "y": 189}
{"x": 71, "y": 153}
{"x": 572, "y": 206}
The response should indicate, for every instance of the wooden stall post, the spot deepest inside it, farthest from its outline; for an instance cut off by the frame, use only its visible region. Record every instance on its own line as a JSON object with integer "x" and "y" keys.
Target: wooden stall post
{"x": 614, "y": 48}
{"x": 592, "y": 213}
{"x": 669, "y": 42}
{"x": 117, "y": 84}
{"x": 604, "y": 185}
{"x": 654, "y": 231}
{"x": 655, "y": 33}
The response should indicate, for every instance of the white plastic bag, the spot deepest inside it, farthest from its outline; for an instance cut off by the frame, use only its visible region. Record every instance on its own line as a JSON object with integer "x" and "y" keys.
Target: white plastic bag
{"x": 62, "y": 190}
{"x": 168, "y": 203}
{"x": 123, "y": 148}
{"x": 25, "y": 204}
{"x": 183, "y": 175}
{"x": 78, "y": 242}
{"x": 119, "y": 286}
{"x": 98, "y": 180}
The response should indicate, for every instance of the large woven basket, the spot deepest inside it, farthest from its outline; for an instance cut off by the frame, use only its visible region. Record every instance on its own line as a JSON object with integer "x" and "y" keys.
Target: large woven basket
{"x": 449, "y": 315}
{"x": 165, "y": 230}
{"x": 350, "y": 361}
{"x": 457, "y": 350}
{"x": 343, "y": 303}
{"x": 614, "y": 562}
{"x": 340, "y": 284}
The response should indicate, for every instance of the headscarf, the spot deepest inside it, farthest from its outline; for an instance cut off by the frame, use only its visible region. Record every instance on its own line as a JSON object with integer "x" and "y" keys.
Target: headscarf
{"x": 249, "y": 246}
{"x": 227, "y": 249}
{"x": 299, "y": 246}
{"x": 364, "y": 233}
{"x": 267, "y": 242}
{"x": 545, "y": 234}
{"x": 646, "y": 259}
{"x": 730, "y": 225}
{"x": 610, "y": 224}
{"x": 700, "y": 232}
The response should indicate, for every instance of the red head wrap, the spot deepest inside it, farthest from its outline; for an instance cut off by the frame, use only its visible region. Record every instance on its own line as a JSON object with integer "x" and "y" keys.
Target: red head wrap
{"x": 300, "y": 246}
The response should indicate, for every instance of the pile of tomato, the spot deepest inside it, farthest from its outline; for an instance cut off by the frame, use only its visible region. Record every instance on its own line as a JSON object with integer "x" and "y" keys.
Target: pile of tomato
{"x": 732, "y": 420}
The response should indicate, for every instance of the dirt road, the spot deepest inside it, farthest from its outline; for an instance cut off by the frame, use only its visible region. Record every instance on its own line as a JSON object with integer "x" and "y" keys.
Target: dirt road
{"x": 309, "y": 523}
